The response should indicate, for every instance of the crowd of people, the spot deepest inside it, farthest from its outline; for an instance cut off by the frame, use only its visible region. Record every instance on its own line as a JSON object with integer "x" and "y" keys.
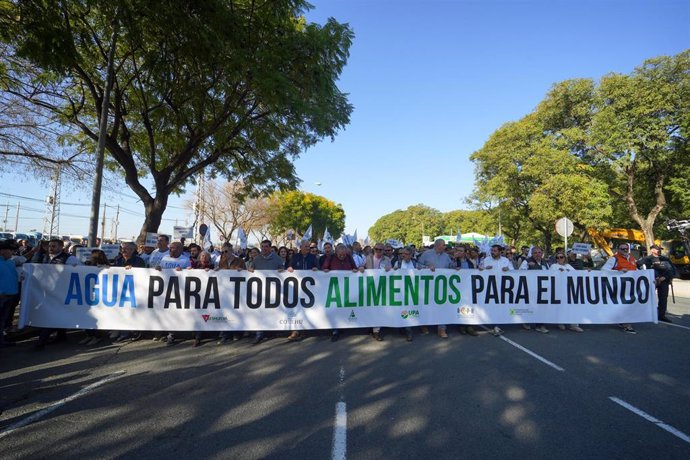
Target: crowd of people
{"x": 308, "y": 256}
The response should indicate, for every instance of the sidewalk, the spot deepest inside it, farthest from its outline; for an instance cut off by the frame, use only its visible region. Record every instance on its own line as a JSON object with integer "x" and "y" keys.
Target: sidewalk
{"x": 681, "y": 288}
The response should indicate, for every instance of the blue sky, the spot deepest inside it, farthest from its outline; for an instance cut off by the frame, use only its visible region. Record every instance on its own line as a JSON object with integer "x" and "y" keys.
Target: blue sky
{"x": 430, "y": 81}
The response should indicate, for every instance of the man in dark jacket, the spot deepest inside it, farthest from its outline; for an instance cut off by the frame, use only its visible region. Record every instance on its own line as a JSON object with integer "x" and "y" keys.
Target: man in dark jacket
{"x": 663, "y": 275}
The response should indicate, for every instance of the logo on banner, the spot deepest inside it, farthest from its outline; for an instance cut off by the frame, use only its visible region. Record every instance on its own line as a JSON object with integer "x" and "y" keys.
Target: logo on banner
{"x": 290, "y": 319}
{"x": 208, "y": 318}
{"x": 520, "y": 311}
{"x": 352, "y": 317}
{"x": 466, "y": 312}
{"x": 409, "y": 314}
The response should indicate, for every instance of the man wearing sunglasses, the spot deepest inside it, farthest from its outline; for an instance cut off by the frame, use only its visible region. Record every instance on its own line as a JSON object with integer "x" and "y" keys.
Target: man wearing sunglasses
{"x": 622, "y": 261}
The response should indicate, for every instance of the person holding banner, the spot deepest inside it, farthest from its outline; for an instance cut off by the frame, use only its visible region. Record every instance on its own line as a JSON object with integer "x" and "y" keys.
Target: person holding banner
{"x": 56, "y": 256}
{"x": 160, "y": 252}
{"x": 536, "y": 262}
{"x": 341, "y": 261}
{"x": 327, "y": 253}
{"x": 305, "y": 259}
{"x": 622, "y": 261}
{"x": 405, "y": 262}
{"x": 266, "y": 260}
{"x": 377, "y": 261}
{"x": 229, "y": 261}
{"x": 463, "y": 263}
{"x": 433, "y": 259}
{"x": 562, "y": 265}
{"x": 174, "y": 259}
{"x": 496, "y": 262}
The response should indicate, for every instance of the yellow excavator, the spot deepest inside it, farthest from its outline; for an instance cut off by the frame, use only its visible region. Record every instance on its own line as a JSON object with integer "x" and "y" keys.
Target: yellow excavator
{"x": 679, "y": 249}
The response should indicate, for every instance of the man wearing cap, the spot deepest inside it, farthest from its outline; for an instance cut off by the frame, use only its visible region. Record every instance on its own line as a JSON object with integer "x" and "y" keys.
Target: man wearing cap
{"x": 663, "y": 276}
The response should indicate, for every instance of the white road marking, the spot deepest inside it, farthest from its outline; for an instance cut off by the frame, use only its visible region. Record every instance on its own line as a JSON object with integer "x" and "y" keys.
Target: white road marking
{"x": 529, "y": 352}
{"x": 340, "y": 432}
{"x": 675, "y": 325}
{"x": 340, "y": 425}
{"x": 56, "y": 405}
{"x": 654, "y": 420}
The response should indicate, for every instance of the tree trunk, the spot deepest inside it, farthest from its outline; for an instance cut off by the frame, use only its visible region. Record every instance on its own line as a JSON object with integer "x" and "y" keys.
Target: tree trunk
{"x": 154, "y": 215}
{"x": 647, "y": 224}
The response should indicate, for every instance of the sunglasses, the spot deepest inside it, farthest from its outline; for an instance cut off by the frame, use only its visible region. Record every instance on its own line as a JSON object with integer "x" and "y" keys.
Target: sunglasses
{"x": 624, "y": 248}
{"x": 378, "y": 249}
{"x": 560, "y": 257}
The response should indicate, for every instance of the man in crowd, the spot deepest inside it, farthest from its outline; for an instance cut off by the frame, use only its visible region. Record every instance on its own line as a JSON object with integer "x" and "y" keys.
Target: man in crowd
{"x": 663, "y": 277}
{"x": 305, "y": 259}
{"x": 266, "y": 260}
{"x": 160, "y": 252}
{"x": 536, "y": 262}
{"x": 496, "y": 262}
{"x": 377, "y": 261}
{"x": 433, "y": 259}
{"x": 173, "y": 259}
{"x": 357, "y": 254}
{"x": 622, "y": 261}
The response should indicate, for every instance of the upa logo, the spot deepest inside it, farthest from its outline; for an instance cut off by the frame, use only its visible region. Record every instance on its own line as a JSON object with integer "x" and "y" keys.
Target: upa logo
{"x": 352, "y": 317}
{"x": 520, "y": 311}
{"x": 206, "y": 317}
{"x": 409, "y": 314}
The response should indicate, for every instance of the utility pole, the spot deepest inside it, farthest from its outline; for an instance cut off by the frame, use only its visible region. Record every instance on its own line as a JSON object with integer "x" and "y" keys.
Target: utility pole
{"x": 7, "y": 212}
{"x": 102, "y": 229}
{"x": 51, "y": 225}
{"x": 102, "y": 133}
{"x": 16, "y": 219}
{"x": 115, "y": 223}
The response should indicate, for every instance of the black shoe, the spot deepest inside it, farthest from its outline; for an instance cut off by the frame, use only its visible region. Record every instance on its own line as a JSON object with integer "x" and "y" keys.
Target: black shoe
{"x": 665, "y": 320}
{"x": 196, "y": 343}
{"x": 223, "y": 341}
{"x": 334, "y": 337}
{"x": 377, "y": 336}
{"x": 409, "y": 337}
{"x": 257, "y": 339}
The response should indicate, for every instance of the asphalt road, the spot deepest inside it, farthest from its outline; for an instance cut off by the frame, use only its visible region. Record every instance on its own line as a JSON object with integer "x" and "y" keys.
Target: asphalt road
{"x": 465, "y": 397}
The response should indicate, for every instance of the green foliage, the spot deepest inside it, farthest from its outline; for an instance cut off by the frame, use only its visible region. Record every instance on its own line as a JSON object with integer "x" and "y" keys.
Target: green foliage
{"x": 235, "y": 89}
{"x": 295, "y": 210}
{"x": 598, "y": 153}
{"x": 409, "y": 225}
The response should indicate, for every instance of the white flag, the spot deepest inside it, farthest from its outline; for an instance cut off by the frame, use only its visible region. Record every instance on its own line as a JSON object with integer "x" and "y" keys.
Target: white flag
{"x": 327, "y": 238}
{"x": 458, "y": 237}
{"x": 366, "y": 240}
{"x": 354, "y": 237}
{"x": 242, "y": 238}
{"x": 319, "y": 245}
{"x": 307, "y": 234}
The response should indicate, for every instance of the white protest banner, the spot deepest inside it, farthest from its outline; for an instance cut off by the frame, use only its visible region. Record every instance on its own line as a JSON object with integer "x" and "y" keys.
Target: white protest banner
{"x": 183, "y": 232}
{"x": 582, "y": 248}
{"x": 151, "y": 239}
{"x": 143, "y": 299}
{"x": 111, "y": 250}
{"x": 83, "y": 254}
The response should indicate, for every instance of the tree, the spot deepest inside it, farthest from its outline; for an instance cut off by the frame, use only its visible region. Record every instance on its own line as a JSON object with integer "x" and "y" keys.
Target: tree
{"x": 233, "y": 88}
{"x": 633, "y": 132}
{"x": 221, "y": 207}
{"x": 476, "y": 220}
{"x": 536, "y": 180}
{"x": 295, "y": 210}
{"x": 409, "y": 225}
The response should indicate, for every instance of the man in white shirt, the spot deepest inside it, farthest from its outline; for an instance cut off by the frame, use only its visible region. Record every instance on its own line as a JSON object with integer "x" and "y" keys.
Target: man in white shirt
{"x": 496, "y": 262}
{"x": 174, "y": 258}
{"x": 160, "y": 252}
{"x": 433, "y": 259}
